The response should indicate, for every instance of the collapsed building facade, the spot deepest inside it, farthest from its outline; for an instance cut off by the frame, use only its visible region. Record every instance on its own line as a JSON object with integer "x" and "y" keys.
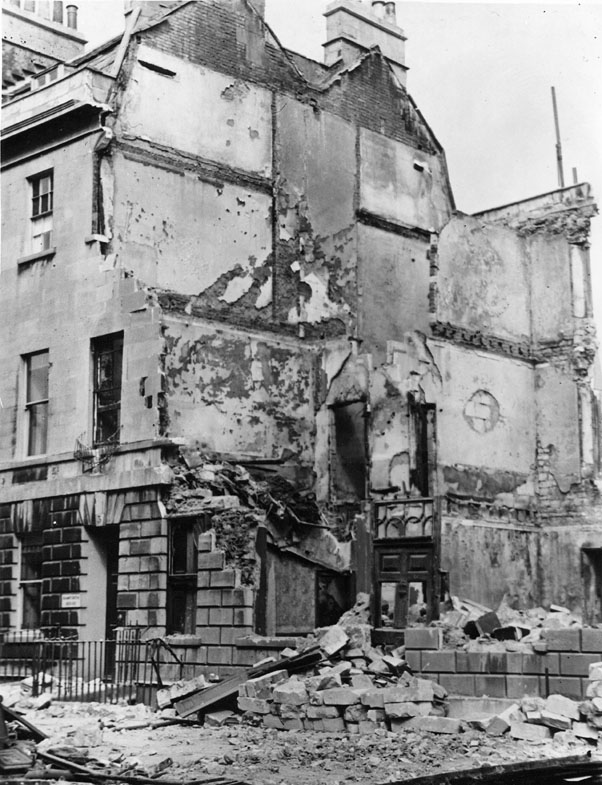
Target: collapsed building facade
{"x": 256, "y": 361}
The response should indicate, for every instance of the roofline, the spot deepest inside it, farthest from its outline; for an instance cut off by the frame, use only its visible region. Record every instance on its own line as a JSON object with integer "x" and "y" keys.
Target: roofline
{"x": 48, "y": 24}
{"x": 387, "y": 28}
{"x": 531, "y": 198}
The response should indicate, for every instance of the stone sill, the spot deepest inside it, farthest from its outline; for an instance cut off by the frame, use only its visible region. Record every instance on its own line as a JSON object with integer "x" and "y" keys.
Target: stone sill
{"x": 184, "y": 640}
{"x": 36, "y": 257}
{"x": 261, "y": 642}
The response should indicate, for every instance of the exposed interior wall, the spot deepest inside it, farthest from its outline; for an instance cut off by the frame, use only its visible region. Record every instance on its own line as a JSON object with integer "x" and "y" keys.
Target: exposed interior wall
{"x": 235, "y": 392}
{"x": 234, "y": 126}
{"x": 550, "y": 287}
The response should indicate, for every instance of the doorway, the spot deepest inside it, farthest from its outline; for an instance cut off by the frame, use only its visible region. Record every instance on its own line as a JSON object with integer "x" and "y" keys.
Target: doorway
{"x": 404, "y": 584}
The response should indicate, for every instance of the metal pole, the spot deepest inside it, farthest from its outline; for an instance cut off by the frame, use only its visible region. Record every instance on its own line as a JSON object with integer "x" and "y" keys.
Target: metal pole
{"x": 558, "y": 143}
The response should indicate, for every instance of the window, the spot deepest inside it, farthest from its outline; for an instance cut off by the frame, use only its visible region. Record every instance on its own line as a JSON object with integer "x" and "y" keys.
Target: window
{"x": 107, "y": 358}
{"x": 42, "y": 197}
{"x": 36, "y": 404}
{"x": 182, "y": 574}
{"x": 30, "y": 583}
{"x": 348, "y": 451}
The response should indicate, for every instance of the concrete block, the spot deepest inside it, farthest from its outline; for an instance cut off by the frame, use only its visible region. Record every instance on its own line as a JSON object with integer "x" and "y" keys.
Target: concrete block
{"x": 529, "y": 732}
{"x": 591, "y": 640}
{"x": 576, "y": 664}
{"x": 563, "y": 640}
{"x": 569, "y": 686}
{"x": 341, "y": 696}
{"x": 458, "y": 684}
{"x": 446, "y": 725}
{"x": 493, "y": 686}
{"x": 518, "y": 686}
{"x": 560, "y": 704}
{"x": 256, "y": 705}
{"x": 438, "y": 662}
{"x": 422, "y": 638}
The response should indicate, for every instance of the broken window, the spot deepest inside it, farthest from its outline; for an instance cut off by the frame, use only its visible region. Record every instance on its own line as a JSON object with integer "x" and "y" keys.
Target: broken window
{"x": 42, "y": 198}
{"x": 107, "y": 358}
{"x": 36, "y": 403}
{"x": 182, "y": 574}
{"x": 348, "y": 451}
{"x": 30, "y": 583}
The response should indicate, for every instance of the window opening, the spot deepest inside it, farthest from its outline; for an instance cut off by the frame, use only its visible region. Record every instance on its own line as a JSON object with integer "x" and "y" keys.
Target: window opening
{"x": 36, "y": 404}
{"x": 182, "y": 573}
{"x": 348, "y": 462}
{"x": 107, "y": 353}
{"x": 30, "y": 584}
{"x": 42, "y": 203}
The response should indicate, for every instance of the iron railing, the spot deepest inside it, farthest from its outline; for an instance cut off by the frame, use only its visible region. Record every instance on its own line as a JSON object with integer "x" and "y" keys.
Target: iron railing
{"x": 401, "y": 518}
{"x": 125, "y": 669}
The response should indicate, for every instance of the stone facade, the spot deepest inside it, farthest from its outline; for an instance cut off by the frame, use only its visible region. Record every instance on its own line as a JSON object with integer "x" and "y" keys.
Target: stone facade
{"x": 271, "y": 249}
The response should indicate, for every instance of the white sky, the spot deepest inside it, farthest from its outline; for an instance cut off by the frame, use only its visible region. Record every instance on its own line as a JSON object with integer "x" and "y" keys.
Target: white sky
{"x": 481, "y": 74}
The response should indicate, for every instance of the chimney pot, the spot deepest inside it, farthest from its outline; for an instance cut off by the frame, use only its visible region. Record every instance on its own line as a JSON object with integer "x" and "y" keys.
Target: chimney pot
{"x": 72, "y": 16}
{"x": 390, "y": 15}
{"x": 57, "y": 11}
{"x": 378, "y": 8}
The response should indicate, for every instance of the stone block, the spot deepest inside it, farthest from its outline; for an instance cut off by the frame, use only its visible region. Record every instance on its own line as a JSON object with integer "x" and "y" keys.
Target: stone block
{"x": 354, "y": 713}
{"x": 225, "y": 579}
{"x": 341, "y": 696}
{"x": 292, "y": 692}
{"x": 569, "y": 686}
{"x": 563, "y": 640}
{"x": 518, "y": 686}
{"x": 576, "y": 664}
{"x": 374, "y": 699}
{"x": 530, "y": 732}
{"x": 438, "y": 661}
{"x": 414, "y": 659}
{"x": 330, "y": 681}
{"x": 555, "y": 721}
{"x": 221, "y": 655}
{"x": 583, "y": 731}
{"x": 243, "y": 617}
{"x": 271, "y": 721}
{"x": 211, "y": 560}
{"x": 256, "y": 705}
{"x": 367, "y": 726}
{"x": 313, "y": 725}
{"x": 433, "y": 724}
{"x": 591, "y": 640}
{"x": 538, "y": 663}
{"x": 595, "y": 671}
{"x": 514, "y": 662}
{"x": 221, "y": 616}
{"x": 290, "y": 711}
{"x": 492, "y": 686}
{"x": 209, "y": 598}
{"x": 458, "y": 684}
{"x": 401, "y": 711}
{"x": 361, "y": 681}
{"x": 415, "y": 690}
{"x": 376, "y": 715}
{"x": 353, "y": 728}
{"x": 332, "y": 639}
{"x": 293, "y": 724}
{"x": 560, "y": 704}
{"x": 206, "y": 542}
{"x": 423, "y": 638}
{"x": 334, "y": 725}
{"x": 263, "y": 686}
{"x": 322, "y": 712}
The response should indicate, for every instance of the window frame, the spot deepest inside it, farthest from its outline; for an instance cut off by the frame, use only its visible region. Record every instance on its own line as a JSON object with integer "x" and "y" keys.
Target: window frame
{"x": 101, "y": 346}
{"x": 42, "y": 223}
{"x": 29, "y": 543}
{"x": 183, "y": 583}
{"x": 32, "y": 404}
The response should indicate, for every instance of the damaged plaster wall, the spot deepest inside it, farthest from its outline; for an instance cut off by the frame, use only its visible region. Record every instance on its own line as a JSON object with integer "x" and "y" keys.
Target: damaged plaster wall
{"x": 237, "y": 112}
{"x": 178, "y": 232}
{"x": 237, "y": 392}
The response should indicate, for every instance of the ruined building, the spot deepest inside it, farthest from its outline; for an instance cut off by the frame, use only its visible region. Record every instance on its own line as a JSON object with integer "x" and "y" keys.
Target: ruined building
{"x": 255, "y": 360}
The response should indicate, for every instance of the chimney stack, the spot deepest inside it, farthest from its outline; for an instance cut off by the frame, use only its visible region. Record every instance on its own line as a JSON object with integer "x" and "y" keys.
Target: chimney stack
{"x": 353, "y": 27}
{"x": 72, "y": 16}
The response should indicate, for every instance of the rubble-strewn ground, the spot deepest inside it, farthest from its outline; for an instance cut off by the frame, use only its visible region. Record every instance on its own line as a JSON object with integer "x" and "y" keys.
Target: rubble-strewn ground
{"x": 270, "y": 757}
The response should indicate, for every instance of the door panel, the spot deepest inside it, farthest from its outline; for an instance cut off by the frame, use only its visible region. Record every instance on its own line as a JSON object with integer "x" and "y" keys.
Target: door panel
{"x": 404, "y": 584}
